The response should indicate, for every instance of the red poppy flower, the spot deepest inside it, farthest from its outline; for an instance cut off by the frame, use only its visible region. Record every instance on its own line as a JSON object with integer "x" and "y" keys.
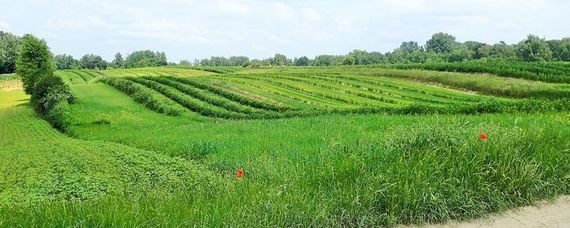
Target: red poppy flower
{"x": 239, "y": 174}
{"x": 483, "y": 136}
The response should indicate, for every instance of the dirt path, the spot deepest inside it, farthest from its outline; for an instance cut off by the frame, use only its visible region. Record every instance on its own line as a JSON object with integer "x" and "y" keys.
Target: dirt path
{"x": 547, "y": 214}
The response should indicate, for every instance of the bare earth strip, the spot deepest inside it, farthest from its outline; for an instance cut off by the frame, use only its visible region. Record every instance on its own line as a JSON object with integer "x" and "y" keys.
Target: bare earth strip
{"x": 545, "y": 214}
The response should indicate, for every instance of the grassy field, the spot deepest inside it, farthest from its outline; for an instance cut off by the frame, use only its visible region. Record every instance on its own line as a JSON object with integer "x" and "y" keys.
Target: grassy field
{"x": 161, "y": 146}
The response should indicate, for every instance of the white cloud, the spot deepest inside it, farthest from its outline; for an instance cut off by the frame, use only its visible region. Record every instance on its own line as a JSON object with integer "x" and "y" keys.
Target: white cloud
{"x": 186, "y": 29}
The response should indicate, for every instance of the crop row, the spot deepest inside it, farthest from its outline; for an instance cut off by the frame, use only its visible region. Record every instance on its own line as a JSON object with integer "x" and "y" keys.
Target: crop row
{"x": 399, "y": 89}
{"x": 145, "y": 96}
{"x": 205, "y": 95}
{"x": 232, "y": 96}
{"x": 284, "y": 94}
{"x": 547, "y": 72}
{"x": 308, "y": 95}
{"x": 365, "y": 94}
{"x": 366, "y": 91}
{"x": 212, "y": 105}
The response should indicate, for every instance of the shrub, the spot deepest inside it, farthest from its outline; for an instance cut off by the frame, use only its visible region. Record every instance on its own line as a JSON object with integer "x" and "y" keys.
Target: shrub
{"x": 51, "y": 98}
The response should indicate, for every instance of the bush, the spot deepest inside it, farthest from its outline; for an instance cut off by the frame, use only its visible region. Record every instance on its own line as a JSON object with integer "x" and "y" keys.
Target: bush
{"x": 51, "y": 98}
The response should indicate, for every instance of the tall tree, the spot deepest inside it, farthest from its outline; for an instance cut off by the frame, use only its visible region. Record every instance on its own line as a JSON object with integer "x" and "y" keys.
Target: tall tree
{"x": 238, "y": 61}
{"x": 410, "y": 47}
{"x": 441, "y": 43}
{"x": 533, "y": 48}
{"x": 279, "y": 60}
{"x": 145, "y": 58}
{"x": 560, "y": 49}
{"x": 118, "y": 62}
{"x": 34, "y": 62}
{"x": 63, "y": 61}
{"x": 502, "y": 50}
{"x": 302, "y": 61}
{"x": 91, "y": 61}
{"x": 9, "y": 45}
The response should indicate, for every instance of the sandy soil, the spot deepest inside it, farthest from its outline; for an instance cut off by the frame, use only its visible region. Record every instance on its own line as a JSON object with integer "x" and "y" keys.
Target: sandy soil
{"x": 546, "y": 214}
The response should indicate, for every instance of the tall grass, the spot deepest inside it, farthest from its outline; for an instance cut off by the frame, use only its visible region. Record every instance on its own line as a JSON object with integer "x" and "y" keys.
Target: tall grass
{"x": 433, "y": 171}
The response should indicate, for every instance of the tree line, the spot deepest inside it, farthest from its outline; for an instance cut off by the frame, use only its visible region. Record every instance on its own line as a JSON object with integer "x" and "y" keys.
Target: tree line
{"x": 441, "y": 47}
{"x": 144, "y": 58}
{"x": 10, "y": 45}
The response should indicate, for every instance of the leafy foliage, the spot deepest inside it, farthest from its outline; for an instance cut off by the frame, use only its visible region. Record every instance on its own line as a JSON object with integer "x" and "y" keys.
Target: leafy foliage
{"x": 34, "y": 62}
{"x": 50, "y": 96}
{"x": 534, "y": 49}
{"x": 66, "y": 62}
{"x": 145, "y": 58}
{"x": 91, "y": 61}
{"x": 441, "y": 43}
{"x": 9, "y": 46}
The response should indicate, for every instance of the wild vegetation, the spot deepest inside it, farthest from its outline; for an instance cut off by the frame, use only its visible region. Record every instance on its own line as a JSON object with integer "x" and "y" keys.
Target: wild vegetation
{"x": 319, "y": 145}
{"x": 49, "y": 95}
{"x": 329, "y": 170}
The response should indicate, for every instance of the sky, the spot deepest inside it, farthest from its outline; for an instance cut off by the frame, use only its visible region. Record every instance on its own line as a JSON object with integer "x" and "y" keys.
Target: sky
{"x": 189, "y": 29}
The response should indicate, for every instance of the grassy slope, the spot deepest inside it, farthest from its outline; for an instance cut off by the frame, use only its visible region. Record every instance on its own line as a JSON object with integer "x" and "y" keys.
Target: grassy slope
{"x": 349, "y": 170}
{"x": 38, "y": 164}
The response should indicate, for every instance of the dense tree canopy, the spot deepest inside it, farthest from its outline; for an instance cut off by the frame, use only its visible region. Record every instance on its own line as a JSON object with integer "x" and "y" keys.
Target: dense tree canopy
{"x": 145, "y": 58}
{"x": 63, "y": 62}
{"x": 560, "y": 49}
{"x": 327, "y": 60}
{"x": 410, "y": 47}
{"x": 91, "y": 61}
{"x": 302, "y": 61}
{"x": 441, "y": 43}
{"x": 34, "y": 62}
{"x": 280, "y": 60}
{"x": 49, "y": 95}
{"x": 9, "y": 46}
{"x": 534, "y": 49}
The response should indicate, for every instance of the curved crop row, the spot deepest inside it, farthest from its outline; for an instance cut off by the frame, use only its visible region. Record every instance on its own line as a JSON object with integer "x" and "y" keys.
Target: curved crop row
{"x": 232, "y": 96}
{"x": 202, "y": 103}
{"x": 311, "y": 90}
{"x": 394, "y": 90}
{"x": 191, "y": 103}
{"x": 360, "y": 91}
{"x": 206, "y": 96}
{"x": 145, "y": 96}
{"x": 298, "y": 96}
{"x": 405, "y": 88}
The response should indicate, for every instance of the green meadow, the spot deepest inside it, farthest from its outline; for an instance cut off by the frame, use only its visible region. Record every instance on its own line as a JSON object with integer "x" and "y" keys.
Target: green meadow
{"x": 319, "y": 146}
